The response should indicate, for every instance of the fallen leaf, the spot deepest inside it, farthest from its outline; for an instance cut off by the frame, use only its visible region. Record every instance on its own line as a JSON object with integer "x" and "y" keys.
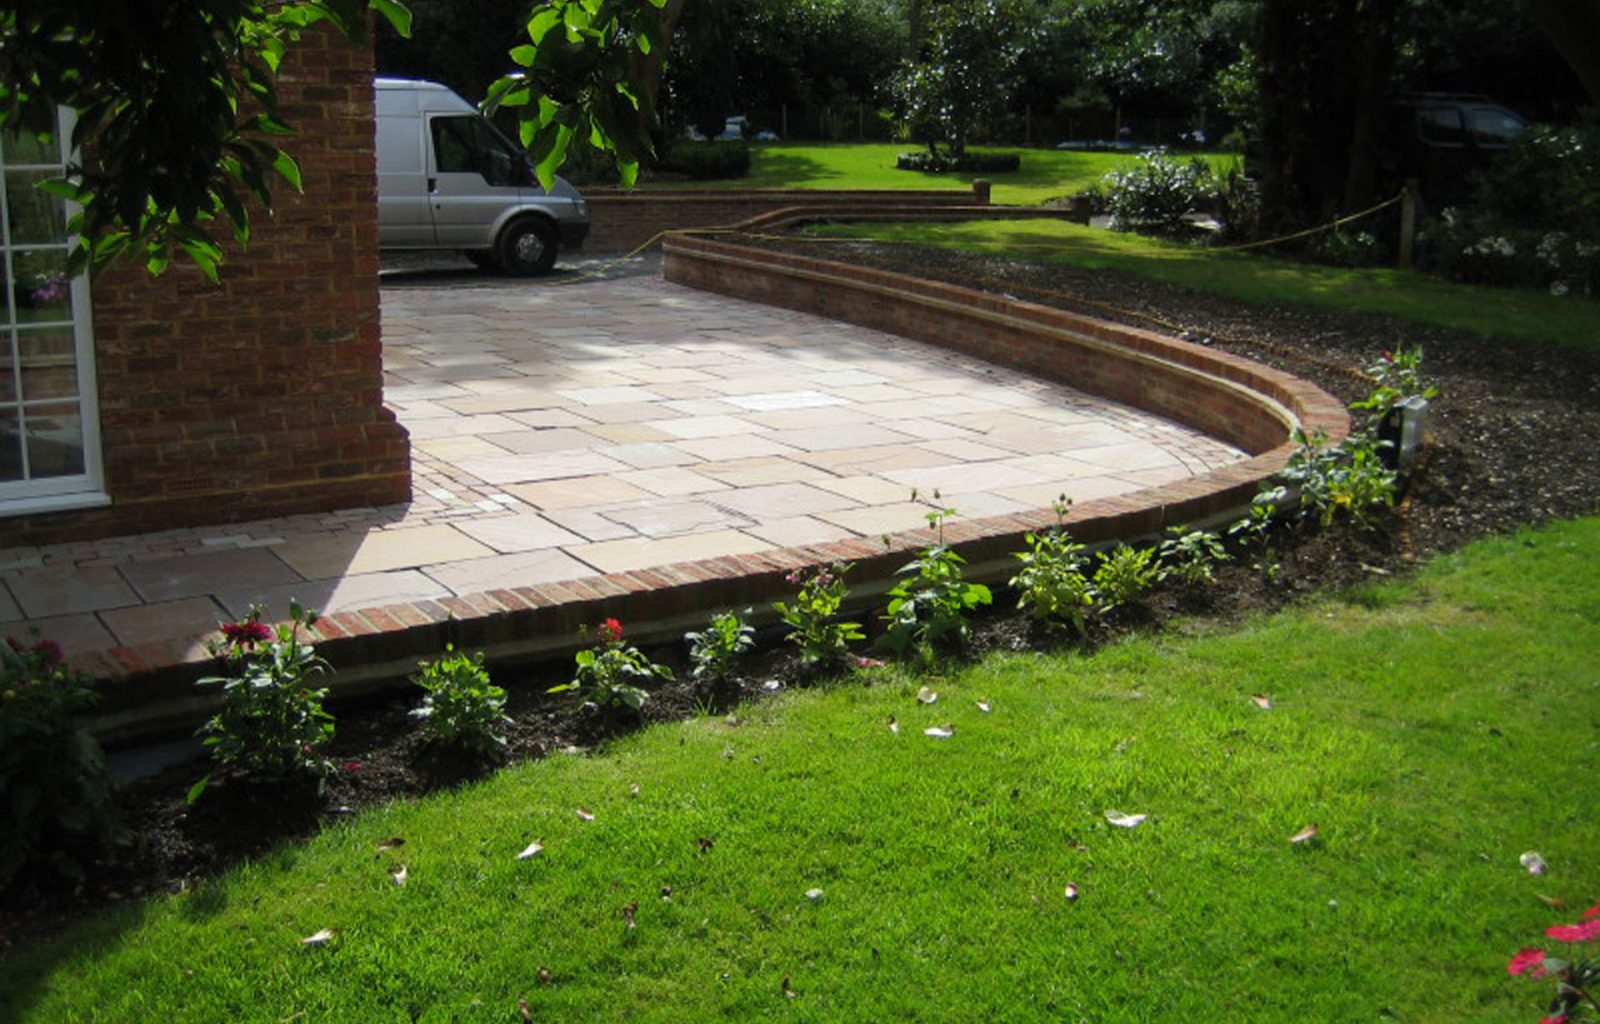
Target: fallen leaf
{"x": 544, "y": 975}
{"x": 399, "y": 877}
{"x": 1552, "y": 901}
{"x": 628, "y": 912}
{"x": 584, "y": 814}
{"x": 633, "y": 790}
{"x": 893, "y": 725}
{"x": 940, "y": 732}
{"x": 533, "y": 849}
{"x": 392, "y": 844}
{"x": 926, "y": 696}
{"x": 772, "y": 686}
{"x": 1071, "y": 893}
{"x": 666, "y": 892}
{"x": 1534, "y": 863}
{"x": 1305, "y": 835}
{"x": 813, "y": 894}
{"x": 788, "y": 988}
{"x": 984, "y": 706}
{"x": 1121, "y": 820}
{"x": 522, "y": 1008}
{"x": 705, "y": 844}
{"x": 320, "y": 939}
{"x": 1262, "y": 701}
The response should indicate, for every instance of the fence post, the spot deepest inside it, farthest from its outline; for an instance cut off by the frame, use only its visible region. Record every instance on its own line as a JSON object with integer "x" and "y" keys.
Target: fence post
{"x": 1408, "y": 225}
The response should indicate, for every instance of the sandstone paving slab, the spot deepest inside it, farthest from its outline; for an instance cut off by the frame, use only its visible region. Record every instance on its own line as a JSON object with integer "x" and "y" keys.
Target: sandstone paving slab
{"x": 644, "y": 552}
{"x": 10, "y": 611}
{"x": 186, "y": 576}
{"x": 68, "y": 590}
{"x": 359, "y": 552}
{"x": 190, "y": 618}
{"x": 529, "y": 568}
{"x": 798, "y": 531}
{"x": 671, "y": 518}
{"x": 525, "y": 531}
{"x": 576, "y": 492}
{"x": 336, "y": 594}
{"x": 779, "y": 501}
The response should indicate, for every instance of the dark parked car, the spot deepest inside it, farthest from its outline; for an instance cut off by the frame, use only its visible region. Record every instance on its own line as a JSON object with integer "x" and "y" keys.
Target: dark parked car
{"x": 1440, "y": 138}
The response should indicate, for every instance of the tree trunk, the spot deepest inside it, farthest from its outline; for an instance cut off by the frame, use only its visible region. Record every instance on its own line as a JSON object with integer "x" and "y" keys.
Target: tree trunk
{"x": 1573, "y": 27}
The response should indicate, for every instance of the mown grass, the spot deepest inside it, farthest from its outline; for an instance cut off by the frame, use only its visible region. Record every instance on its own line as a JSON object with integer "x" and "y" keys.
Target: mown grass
{"x": 1433, "y": 729}
{"x": 1405, "y": 295}
{"x": 1044, "y": 174}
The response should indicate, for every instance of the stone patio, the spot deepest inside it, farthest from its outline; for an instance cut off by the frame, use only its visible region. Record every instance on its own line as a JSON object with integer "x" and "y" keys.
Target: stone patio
{"x": 571, "y": 427}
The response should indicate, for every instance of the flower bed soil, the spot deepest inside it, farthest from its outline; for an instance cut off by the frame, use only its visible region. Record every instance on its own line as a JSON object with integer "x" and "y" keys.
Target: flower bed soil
{"x": 1511, "y": 441}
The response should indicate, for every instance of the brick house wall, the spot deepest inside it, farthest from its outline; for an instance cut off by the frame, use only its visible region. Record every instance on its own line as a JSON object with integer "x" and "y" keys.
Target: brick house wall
{"x": 262, "y": 395}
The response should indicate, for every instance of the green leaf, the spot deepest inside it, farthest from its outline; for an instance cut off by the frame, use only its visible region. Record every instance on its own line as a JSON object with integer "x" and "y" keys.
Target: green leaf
{"x": 524, "y": 54}
{"x": 398, "y": 16}
{"x": 196, "y": 789}
{"x": 285, "y": 165}
{"x": 543, "y": 20}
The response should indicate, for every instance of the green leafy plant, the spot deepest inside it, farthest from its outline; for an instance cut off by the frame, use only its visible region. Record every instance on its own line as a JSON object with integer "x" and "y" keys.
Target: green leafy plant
{"x": 1191, "y": 556}
{"x": 714, "y": 649}
{"x": 56, "y": 809}
{"x": 1577, "y": 981}
{"x": 1156, "y": 193}
{"x": 614, "y": 671}
{"x": 272, "y": 724}
{"x": 813, "y": 617}
{"x": 1397, "y": 376}
{"x": 929, "y": 605}
{"x": 460, "y": 706}
{"x": 1123, "y": 576}
{"x": 1349, "y": 479}
{"x": 1051, "y": 582}
{"x": 1254, "y": 531}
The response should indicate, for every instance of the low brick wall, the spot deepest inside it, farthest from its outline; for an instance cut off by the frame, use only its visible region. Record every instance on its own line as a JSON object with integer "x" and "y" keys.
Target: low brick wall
{"x": 622, "y": 219}
{"x": 261, "y": 395}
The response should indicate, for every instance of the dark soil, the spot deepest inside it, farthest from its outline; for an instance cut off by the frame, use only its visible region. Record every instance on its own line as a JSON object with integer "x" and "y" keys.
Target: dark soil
{"x": 1511, "y": 441}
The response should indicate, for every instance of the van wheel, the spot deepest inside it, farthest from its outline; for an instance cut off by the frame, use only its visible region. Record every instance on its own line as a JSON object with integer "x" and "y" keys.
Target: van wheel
{"x": 528, "y": 247}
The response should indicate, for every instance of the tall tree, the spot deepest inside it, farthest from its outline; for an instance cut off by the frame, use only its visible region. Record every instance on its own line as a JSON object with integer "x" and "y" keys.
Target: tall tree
{"x": 1573, "y": 28}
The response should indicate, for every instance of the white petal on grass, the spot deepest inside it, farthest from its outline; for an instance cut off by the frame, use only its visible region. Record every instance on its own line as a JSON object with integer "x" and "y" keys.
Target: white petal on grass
{"x": 320, "y": 939}
{"x": 985, "y": 706}
{"x": 1071, "y": 892}
{"x": 584, "y": 814}
{"x": 940, "y": 732}
{"x": 400, "y": 876}
{"x": 926, "y": 696}
{"x": 532, "y": 850}
{"x": 1121, "y": 820}
{"x": 392, "y": 843}
{"x": 1305, "y": 835}
{"x": 1534, "y": 863}
{"x": 894, "y": 726}
{"x": 813, "y": 894}
{"x": 1262, "y": 701}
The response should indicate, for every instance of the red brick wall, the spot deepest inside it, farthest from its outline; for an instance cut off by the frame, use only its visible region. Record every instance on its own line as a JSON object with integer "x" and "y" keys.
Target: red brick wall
{"x": 261, "y": 396}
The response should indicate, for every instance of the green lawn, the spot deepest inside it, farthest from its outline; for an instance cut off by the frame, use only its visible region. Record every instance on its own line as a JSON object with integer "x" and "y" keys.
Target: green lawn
{"x": 1045, "y": 174}
{"x": 1434, "y": 729}
{"x": 1406, "y": 295}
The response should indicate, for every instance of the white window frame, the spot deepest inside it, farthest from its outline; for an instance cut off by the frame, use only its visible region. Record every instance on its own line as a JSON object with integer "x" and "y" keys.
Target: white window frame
{"x": 87, "y": 489}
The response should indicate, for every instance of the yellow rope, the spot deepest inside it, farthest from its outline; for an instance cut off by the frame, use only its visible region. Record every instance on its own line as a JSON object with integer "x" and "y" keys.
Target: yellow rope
{"x": 1310, "y": 231}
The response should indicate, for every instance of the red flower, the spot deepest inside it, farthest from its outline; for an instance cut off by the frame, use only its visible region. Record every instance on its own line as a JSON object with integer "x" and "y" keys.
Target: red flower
{"x": 1525, "y": 958}
{"x": 1583, "y": 932}
{"x": 1554, "y": 1020}
{"x": 352, "y": 766}
{"x": 246, "y": 633}
{"x": 1593, "y": 911}
{"x": 610, "y": 631}
{"x": 52, "y": 654}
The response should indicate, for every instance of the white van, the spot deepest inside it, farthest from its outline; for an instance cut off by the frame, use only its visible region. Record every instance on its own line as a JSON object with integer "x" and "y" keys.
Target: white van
{"x": 447, "y": 179}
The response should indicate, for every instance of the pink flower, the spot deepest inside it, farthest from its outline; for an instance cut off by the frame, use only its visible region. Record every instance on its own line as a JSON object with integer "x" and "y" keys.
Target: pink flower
{"x": 610, "y": 631}
{"x": 1593, "y": 911}
{"x": 247, "y": 633}
{"x": 1525, "y": 958}
{"x": 352, "y": 766}
{"x": 1582, "y": 932}
{"x": 1554, "y": 1020}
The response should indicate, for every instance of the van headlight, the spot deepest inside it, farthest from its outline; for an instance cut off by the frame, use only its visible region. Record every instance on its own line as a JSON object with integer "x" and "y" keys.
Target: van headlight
{"x": 580, "y": 208}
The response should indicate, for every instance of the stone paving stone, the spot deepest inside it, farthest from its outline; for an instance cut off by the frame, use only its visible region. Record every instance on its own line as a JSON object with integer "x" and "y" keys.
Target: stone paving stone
{"x": 780, "y": 400}
{"x": 194, "y": 575}
{"x": 456, "y": 448}
{"x": 522, "y": 532}
{"x": 506, "y": 401}
{"x": 723, "y": 449}
{"x": 647, "y": 456}
{"x": 626, "y": 433}
{"x": 671, "y": 518}
{"x": 624, "y": 412}
{"x": 73, "y": 632}
{"x": 876, "y": 520}
{"x": 533, "y": 442}
{"x": 857, "y": 435}
{"x": 780, "y": 501}
{"x": 520, "y": 570}
{"x": 671, "y": 481}
{"x": 576, "y": 492}
{"x": 188, "y": 619}
{"x": 461, "y": 426}
{"x": 770, "y": 469}
{"x": 590, "y": 524}
{"x": 67, "y": 590}
{"x": 608, "y": 395}
{"x": 643, "y": 553}
{"x": 966, "y": 476}
{"x": 341, "y": 593}
{"x": 1125, "y": 457}
{"x": 983, "y": 503}
{"x": 966, "y": 450}
{"x": 875, "y": 461}
{"x": 802, "y": 419}
{"x": 798, "y": 531}
{"x": 1058, "y": 467}
{"x": 554, "y": 465}
{"x": 1085, "y": 489}
{"x": 692, "y": 427}
{"x": 360, "y": 552}
{"x": 868, "y": 490}
{"x": 9, "y": 609}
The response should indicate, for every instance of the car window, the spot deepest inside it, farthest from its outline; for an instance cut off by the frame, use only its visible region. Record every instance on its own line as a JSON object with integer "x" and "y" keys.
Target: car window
{"x": 468, "y": 145}
{"x": 1493, "y": 126}
{"x": 1441, "y": 126}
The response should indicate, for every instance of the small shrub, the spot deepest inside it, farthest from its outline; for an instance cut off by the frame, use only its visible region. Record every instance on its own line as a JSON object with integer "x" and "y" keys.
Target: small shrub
{"x": 714, "y": 649}
{"x": 1191, "y": 556}
{"x": 614, "y": 671}
{"x": 1123, "y": 576}
{"x": 1577, "y": 980}
{"x": 1398, "y": 377}
{"x": 272, "y": 724}
{"x": 1156, "y": 192}
{"x": 55, "y": 795}
{"x": 1254, "y": 531}
{"x": 974, "y": 163}
{"x": 1051, "y": 583}
{"x": 812, "y": 616}
{"x": 706, "y": 161}
{"x": 1349, "y": 479}
{"x": 460, "y": 706}
{"x": 929, "y": 606}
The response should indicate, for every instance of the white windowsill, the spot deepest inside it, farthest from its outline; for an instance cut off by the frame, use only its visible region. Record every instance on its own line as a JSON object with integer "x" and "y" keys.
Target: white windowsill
{"x": 53, "y": 503}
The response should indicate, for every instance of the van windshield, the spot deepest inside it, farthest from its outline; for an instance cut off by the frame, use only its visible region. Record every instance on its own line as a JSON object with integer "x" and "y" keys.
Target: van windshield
{"x": 467, "y": 144}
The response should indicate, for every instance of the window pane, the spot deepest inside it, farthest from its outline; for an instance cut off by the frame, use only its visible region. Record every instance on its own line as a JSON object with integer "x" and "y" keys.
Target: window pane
{"x": 1441, "y": 126}
{"x": 55, "y": 441}
{"x": 35, "y": 216}
{"x": 8, "y": 378}
{"x": 22, "y": 148}
{"x": 10, "y": 445}
{"x": 1495, "y": 128}
{"x": 39, "y": 287}
{"x": 49, "y": 364}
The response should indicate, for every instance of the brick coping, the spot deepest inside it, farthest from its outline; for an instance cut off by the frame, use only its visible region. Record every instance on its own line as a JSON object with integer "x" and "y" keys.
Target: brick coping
{"x": 149, "y": 689}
